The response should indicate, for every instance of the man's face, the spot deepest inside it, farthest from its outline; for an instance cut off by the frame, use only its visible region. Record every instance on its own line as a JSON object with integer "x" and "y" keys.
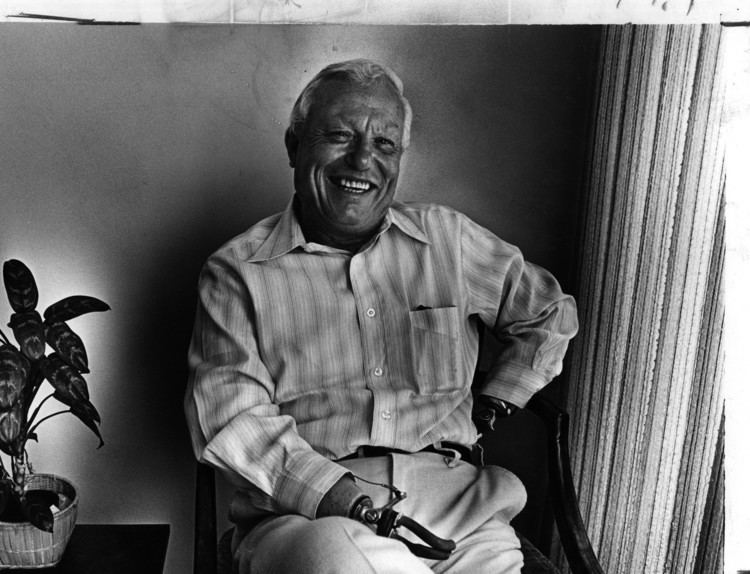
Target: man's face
{"x": 346, "y": 161}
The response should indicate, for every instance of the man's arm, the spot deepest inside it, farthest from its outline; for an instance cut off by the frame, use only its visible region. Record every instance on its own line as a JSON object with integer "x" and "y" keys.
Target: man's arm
{"x": 233, "y": 421}
{"x": 342, "y": 499}
{"x": 525, "y": 309}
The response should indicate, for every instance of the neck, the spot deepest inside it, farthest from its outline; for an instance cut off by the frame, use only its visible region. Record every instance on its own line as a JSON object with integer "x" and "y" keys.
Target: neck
{"x": 316, "y": 231}
{"x": 346, "y": 243}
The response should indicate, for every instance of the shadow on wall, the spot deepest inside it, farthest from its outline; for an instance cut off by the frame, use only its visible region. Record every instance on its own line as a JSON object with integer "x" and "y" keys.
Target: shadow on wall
{"x": 167, "y": 292}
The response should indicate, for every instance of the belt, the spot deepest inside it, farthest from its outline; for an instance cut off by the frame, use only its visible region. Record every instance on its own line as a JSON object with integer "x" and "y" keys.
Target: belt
{"x": 472, "y": 454}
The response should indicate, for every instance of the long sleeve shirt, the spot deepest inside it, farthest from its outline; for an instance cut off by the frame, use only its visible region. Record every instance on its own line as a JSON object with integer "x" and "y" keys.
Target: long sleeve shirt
{"x": 301, "y": 352}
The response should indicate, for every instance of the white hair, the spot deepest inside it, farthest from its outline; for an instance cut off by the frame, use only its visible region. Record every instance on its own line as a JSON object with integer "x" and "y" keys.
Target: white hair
{"x": 360, "y": 72}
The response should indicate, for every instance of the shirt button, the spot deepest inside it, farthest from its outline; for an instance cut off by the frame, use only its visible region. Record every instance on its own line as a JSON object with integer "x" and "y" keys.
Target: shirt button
{"x": 378, "y": 372}
{"x": 385, "y": 414}
{"x": 371, "y": 312}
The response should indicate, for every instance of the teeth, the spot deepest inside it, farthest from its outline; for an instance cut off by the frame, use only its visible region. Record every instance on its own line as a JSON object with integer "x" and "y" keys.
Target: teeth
{"x": 354, "y": 185}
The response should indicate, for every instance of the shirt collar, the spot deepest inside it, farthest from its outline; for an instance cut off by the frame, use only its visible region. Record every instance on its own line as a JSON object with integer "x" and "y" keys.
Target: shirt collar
{"x": 287, "y": 235}
{"x": 397, "y": 214}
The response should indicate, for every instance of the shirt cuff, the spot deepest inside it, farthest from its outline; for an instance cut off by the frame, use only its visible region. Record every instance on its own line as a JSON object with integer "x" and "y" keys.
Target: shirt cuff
{"x": 513, "y": 383}
{"x": 306, "y": 479}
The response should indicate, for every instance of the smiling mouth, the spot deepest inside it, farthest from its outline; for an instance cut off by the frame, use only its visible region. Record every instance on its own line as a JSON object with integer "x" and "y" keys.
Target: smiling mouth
{"x": 353, "y": 185}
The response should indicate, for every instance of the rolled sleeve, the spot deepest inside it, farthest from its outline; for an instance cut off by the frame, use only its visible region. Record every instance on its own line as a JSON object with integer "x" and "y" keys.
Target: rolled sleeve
{"x": 525, "y": 309}
{"x": 514, "y": 383}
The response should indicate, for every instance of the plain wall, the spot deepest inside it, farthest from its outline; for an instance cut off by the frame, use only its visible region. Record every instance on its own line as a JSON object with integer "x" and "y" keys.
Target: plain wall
{"x": 129, "y": 154}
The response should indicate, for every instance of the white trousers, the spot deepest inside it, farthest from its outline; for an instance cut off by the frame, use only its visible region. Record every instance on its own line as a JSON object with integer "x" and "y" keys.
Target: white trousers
{"x": 471, "y": 505}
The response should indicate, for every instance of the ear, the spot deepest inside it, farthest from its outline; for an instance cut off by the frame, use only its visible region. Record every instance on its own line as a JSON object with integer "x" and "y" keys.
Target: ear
{"x": 292, "y": 143}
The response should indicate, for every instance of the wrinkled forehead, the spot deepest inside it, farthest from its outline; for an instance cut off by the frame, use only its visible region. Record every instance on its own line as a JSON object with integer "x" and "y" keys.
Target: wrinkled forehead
{"x": 340, "y": 97}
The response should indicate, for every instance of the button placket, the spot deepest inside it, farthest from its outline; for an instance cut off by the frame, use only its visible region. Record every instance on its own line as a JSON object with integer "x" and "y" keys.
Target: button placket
{"x": 384, "y": 424}
{"x": 366, "y": 290}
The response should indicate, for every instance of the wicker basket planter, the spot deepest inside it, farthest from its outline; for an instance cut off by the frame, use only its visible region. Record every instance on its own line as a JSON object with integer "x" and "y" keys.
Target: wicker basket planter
{"x": 22, "y": 545}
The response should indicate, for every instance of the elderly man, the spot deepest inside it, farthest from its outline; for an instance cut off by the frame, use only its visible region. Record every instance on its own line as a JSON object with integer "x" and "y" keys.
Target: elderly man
{"x": 334, "y": 348}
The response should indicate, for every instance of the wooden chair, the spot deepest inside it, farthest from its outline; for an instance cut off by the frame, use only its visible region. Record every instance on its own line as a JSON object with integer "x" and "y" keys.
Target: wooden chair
{"x": 546, "y": 475}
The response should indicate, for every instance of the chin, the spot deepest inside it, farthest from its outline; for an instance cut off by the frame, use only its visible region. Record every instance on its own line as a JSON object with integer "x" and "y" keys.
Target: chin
{"x": 352, "y": 228}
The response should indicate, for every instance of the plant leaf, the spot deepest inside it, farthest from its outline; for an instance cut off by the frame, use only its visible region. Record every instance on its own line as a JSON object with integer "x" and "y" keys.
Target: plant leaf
{"x": 29, "y": 332}
{"x": 69, "y": 385}
{"x": 73, "y": 306}
{"x": 11, "y": 424}
{"x": 70, "y": 389}
{"x": 67, "y": 344}
{"x": 88, "y": 415}
{"x": 83, "y": 408}
{"x": 20, "y": 285}
{"x": 14, "y": 370}
{"x": 36, "y": 507}
{"x": 36, "y": 377}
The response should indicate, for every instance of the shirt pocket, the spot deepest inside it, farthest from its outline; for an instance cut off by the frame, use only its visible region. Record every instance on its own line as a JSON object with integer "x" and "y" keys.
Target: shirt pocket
{"x": 434, "y": 346}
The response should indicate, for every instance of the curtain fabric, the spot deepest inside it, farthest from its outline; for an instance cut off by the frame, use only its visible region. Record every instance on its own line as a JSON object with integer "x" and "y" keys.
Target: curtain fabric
{"x": 644, "y": 374}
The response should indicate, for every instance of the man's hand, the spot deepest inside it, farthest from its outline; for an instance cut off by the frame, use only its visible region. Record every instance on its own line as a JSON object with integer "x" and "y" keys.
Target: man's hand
{"x": 343, "y": 499}
{"x": 488, "y": 409}
{"x": 346, "y": 499}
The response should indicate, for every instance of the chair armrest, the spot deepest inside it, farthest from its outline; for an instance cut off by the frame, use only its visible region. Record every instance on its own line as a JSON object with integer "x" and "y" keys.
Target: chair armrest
{"x": 573, "y": 536}
{"x": 204, "y": 555}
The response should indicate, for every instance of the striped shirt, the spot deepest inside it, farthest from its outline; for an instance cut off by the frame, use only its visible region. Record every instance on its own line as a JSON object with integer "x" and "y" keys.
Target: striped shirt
{"x": 303, "y": 352}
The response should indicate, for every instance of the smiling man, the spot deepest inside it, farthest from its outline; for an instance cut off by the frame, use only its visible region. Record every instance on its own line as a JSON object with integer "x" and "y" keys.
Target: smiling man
{"x": 333, "y": 354}
{"x": 346, "y": 158}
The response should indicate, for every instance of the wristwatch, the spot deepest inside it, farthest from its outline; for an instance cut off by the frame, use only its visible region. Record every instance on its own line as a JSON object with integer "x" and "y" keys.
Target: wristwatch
{"x": 488, "y": 409}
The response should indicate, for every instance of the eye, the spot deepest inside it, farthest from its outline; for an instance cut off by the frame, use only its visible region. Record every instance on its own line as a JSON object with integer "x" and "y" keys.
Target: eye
{"x": 386, "y": 145}
{"x": 339, "y": 136}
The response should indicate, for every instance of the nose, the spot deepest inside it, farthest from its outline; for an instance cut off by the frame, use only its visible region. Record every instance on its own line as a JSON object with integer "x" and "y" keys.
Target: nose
{"x": 360, "y": 154}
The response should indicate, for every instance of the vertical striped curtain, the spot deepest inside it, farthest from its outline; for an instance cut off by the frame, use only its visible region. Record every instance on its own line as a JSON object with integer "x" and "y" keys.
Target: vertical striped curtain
{"x": 645, "y": 372}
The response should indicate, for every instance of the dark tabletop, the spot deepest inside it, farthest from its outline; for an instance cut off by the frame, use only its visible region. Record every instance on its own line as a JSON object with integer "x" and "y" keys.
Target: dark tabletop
{"x": 112, "y": 549}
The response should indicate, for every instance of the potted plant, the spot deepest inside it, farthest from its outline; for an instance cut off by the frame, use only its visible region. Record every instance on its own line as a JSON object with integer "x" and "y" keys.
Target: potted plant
{"x": 38, "y": 511}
